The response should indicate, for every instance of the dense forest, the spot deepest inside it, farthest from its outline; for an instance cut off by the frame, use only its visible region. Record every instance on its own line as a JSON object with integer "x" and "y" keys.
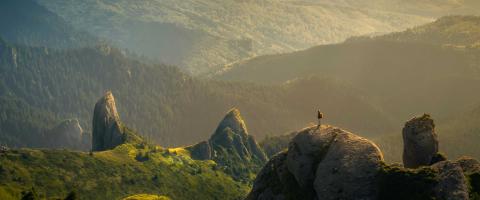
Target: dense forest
{"x": 369, "y": 85}
{"x": 160, "y": 101}
{"x": 25, "y": 22}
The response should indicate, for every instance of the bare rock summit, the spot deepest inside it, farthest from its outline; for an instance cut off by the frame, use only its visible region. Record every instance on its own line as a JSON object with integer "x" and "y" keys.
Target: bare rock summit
{"x": 420, "y": 142}
{"x": 107, "y": 129}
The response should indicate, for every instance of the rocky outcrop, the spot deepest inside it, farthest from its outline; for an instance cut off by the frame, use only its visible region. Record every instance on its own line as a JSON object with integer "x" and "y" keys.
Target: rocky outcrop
{"x": 232, "y": 134}
{"x": 201, "y": 151}
{"x": 232, "y": 147}
{"x": 452, "y": 183}
{"x": 420, "y": 142}
{"x": 107, "y": 129}
{"x": 325, "y": 163}
{"x": 330, "y": 163}
{"x": 349, "y": 168}
{"x": 69, "y": 134}
{"x": 276, "y": 182}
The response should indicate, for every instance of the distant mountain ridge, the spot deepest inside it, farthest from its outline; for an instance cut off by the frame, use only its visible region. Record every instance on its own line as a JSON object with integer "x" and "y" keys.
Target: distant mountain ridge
{"x": 202, "y": 36}
{"x": 405, "y": 68}
{"x": 451, "y": 31}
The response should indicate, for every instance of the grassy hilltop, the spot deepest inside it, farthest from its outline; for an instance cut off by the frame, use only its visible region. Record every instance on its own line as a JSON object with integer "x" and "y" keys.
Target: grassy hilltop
{"x": 126, "y": 170}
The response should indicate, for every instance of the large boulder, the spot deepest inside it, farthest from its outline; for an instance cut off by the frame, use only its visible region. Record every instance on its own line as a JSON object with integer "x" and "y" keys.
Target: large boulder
{"x": 275, "y": 182}
{"x": 305, "y": 151}
{"x": 107, "y": 129}
{"x": 420, "y": 142}
{"x": 321, "y": 163}
{"x": 349, "y": 168}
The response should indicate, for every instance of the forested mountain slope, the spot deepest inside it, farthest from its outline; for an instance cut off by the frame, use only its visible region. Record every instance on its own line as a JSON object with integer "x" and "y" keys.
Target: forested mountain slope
{"x": 129, "y": 167}
{"x": 204, "y": 35}
{"x": 41, "y": 87}
{"x": 430, "y": 8}
{"x": 405, "y": 73}
{"x": 451, "y": 31}
{"x": 25, "y": 22}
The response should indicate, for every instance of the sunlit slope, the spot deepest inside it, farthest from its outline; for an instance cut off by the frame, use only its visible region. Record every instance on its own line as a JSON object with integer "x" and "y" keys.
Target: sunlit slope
{"x": 431, "y": 8}
{"x": 405, "y": 73}
{"x": 199, "y": 34}
{"x": 461, "y": 32}
{"x": 128, "y": 169}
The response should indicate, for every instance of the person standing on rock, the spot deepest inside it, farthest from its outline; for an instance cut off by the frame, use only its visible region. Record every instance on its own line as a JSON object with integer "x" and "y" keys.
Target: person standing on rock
{"x": 319, "y": 117}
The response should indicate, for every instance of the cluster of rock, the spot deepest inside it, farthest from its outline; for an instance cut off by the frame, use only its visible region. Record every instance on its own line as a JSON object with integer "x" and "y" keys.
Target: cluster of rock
{"x": 330, "y": 163}
{"x": 421, "y": 150}
{"x": 230, "y": 145}
{"x": 107, "y": 132}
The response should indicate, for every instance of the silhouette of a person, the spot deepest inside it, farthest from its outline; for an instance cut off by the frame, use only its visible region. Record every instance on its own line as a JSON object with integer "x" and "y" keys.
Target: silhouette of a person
{"x": 319, "y": 117}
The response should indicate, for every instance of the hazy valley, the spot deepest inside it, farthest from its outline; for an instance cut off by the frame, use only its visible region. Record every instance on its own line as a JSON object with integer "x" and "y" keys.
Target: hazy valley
{"x": 239, "y": 99}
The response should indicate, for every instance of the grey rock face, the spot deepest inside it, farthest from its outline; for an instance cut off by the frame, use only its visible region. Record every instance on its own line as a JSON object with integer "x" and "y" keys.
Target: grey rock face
{"x": 232, "y": 148}
{"x": 349, "y": 168}
{"x": 420, "y": 143}
{"x": 469, "y": 165}
{"x": 71, "y": 128}
{"x": 452, "y": 182}
{"x": 232, "y": 134}
{"x": 69, "y": 134}
{"x": 201, "y": 151}
{"x": 325, "y": 163}
{"x": 305, "y": 151}
{"x": 234, "y": 121}
{"x": 107, "y": 133}
{"x": 275, "y": 182}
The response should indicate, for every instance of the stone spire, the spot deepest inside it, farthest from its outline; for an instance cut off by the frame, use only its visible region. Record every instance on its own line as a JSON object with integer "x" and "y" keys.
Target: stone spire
{"x": 420, "y": 143}
{"x": 107, "y": 132}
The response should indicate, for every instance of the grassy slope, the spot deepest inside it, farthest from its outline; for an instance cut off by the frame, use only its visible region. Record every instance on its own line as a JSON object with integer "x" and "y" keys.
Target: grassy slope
{"x": 114, "y": 174}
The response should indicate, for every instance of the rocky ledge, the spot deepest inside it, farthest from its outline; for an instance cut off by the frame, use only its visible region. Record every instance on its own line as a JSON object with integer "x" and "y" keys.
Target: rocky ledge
{"x": 331, "y": 163}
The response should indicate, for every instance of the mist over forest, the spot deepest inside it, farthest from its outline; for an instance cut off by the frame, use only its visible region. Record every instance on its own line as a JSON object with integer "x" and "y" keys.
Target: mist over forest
{"x": 239, "y": 99}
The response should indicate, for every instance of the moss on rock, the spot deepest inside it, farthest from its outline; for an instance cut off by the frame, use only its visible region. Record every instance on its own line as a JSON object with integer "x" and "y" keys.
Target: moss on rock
{"x": 396, "y": 182}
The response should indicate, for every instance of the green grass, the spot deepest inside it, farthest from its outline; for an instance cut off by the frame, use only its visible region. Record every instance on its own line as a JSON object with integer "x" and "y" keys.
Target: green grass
{"x": 146, "y": 197}
{"x": 114, "y": 174}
